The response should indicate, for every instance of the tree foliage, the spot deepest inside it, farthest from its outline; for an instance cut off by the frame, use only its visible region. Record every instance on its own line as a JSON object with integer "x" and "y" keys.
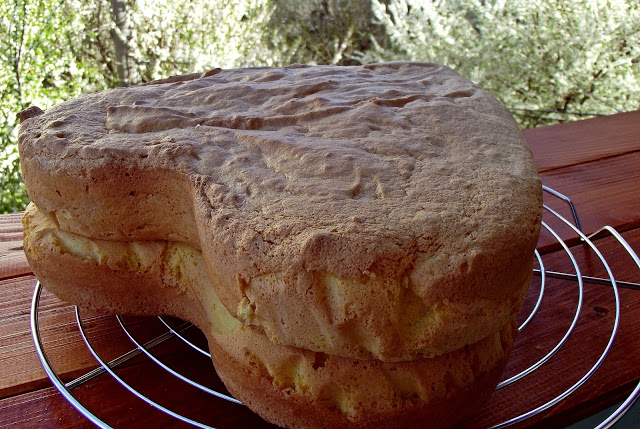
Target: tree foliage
{"x": 39, "y": 64}
{"x": 324, "y": 31}
{"x": 573, "y": 58}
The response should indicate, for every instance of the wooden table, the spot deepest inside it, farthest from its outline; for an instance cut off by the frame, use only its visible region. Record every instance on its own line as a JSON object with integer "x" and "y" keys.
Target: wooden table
{"x": 595, "y": 162}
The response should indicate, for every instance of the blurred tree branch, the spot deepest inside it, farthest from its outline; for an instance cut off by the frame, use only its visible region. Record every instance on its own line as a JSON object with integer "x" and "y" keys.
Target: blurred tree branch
{"x": 121, "y": 36}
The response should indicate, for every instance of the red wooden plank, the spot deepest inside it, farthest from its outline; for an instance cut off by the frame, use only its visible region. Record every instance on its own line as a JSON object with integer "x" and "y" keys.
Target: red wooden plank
{"x": 12, "y": 260}
{"x": 584, "y": 141}
{"x": 604, "y": 193}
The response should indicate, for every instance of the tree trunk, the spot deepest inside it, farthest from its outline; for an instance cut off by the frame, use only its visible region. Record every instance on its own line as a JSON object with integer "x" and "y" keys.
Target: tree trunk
{"x": 121, "y": 35}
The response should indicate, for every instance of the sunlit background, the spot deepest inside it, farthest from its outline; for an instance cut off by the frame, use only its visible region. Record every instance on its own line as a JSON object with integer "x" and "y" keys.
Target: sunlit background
{"x": 547, "y": 61}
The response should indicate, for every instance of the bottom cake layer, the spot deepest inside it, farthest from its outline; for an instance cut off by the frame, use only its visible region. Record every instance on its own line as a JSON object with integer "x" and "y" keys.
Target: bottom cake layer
{"x": 289, "y": 386}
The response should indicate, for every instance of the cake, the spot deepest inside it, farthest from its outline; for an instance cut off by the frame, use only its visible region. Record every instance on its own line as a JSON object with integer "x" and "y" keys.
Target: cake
{"x": 355, "y": 242}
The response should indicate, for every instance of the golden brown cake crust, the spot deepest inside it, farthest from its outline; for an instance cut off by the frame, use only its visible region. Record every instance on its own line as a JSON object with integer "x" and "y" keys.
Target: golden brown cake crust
{"x": 290, "y": 410}
{"x": 385, "y": 211}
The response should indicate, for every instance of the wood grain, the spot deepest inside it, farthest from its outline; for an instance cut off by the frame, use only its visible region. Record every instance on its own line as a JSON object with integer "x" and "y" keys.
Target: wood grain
{"x": 12, "y": 260}
{"x": 605, "y": 193}
{"x": 595, "y": 163}
{"x": 579, "y": 142}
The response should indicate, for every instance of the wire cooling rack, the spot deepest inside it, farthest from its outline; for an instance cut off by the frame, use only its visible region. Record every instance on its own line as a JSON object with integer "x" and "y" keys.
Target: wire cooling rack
{"x": 175, "y": 330}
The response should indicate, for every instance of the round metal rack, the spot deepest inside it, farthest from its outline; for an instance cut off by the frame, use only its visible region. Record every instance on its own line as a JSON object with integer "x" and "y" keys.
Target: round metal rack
{"x": 176, "y": 330}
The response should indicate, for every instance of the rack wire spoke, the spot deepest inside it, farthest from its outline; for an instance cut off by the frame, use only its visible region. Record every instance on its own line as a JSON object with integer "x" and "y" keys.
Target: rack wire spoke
{"x": 602, "y": 357}
{"x": 48, "y": 369}
{"x": 127, "y": 386}
{"x": 184, "y": 340}
{"x": 567, "y": 334}
{"x": 633, "y": 397}
{"x": 170, "y": 370}
{"x": 123, "y": 358}
{"x": 540, "y": 294}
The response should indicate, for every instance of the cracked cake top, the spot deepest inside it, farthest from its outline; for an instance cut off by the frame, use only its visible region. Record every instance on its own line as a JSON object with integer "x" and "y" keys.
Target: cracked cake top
{"x": 387, "y": 210}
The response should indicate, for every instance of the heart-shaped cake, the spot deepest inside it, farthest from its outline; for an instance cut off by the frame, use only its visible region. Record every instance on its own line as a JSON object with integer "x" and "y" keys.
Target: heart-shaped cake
{"x": 355, "y": 242}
